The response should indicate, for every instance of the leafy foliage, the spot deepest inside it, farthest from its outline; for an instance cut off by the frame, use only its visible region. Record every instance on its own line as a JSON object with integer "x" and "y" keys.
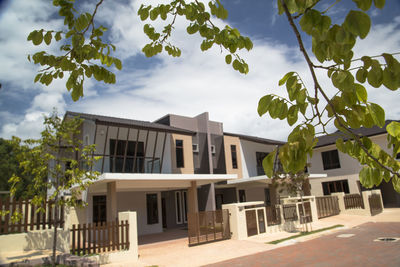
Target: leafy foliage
{"x": 83, "y": 52}
{"x": 9, "y": 165}
{"x": 349, "y": 107}
{"x": 58, "y": 163}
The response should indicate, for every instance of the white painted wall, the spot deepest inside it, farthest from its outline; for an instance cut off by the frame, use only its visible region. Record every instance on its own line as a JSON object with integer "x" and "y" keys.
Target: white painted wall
{"x": 136, "y": 201}
{"x": 349, "y": 167}
{"x": 248, "y": 154}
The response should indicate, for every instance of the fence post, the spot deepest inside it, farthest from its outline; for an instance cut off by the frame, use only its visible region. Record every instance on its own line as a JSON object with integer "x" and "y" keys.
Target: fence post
{"x": 340, "y": 196}
{"x": 365, "y": 195}
{"x": 131, "y": 217}
{"x": 314, "y": 210}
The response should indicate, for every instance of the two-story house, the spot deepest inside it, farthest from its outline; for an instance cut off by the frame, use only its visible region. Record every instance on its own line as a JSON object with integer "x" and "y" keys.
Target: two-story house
{"x": 167, "y": 168}
{"x": 342, "y": 171}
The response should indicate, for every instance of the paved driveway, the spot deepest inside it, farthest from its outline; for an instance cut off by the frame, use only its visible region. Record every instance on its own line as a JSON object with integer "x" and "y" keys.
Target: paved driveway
{"x": 357, "y": 249}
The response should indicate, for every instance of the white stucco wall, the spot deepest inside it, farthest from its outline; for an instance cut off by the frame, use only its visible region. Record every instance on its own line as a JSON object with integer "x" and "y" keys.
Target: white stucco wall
{"x": 136, "y": 201}
{"x": 349, "y": 167}
{"x": 248, "y": 154}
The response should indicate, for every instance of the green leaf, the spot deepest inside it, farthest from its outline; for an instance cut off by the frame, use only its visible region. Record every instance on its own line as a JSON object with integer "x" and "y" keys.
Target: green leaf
{"x": 375, "y": 76}
{"x": 117, "y": 63}
{"x": 390, "y": 79}
{"x": 292, "y": 115}
{"x": 58, "y": 36}
{"x": 361, "y": 92}
{"x": 358, "y": 23}
{"x": 47, "y": 38}
{"x": 393, "y": 129}
{"x": 268, "y": 164}
{"x": 377, "y": 113}
{"x": 264, "y": 104}
{"x": 363, "y": 4}
{"x": 285, "y": 78}
{"x": 379, "y": 3}
{"x": 361, "y": 75}
{"x": 228, "y": 59}
{"x": 37, "y": 37}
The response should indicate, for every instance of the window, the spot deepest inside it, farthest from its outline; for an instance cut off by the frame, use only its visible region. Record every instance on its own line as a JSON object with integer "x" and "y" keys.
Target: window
{"x": 219, "y": 200}
{"x": 195, "y": 147}
{"x": 259, "y": 159}
{"x": 179, "y": 153}
{"x": 99, "y": 209}
{"x": 152, "y": 208}
{"x": 234, "y": 157}
{"x": 121, "y": 151}
{"x": 330, "y": 159}
{"x": 242, "y": 195}
{"x": 335, "y": 186}
{"x": 213, "y": 149}
{"x": 181, "y": 207}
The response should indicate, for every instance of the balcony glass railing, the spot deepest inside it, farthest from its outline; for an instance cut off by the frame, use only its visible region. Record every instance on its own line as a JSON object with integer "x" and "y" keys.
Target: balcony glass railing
{"x": 119, "y": 164}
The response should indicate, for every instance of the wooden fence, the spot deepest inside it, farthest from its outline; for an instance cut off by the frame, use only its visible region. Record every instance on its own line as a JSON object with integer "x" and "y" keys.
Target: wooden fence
{"x": 29, "y": 216}
{"x": 273, "y": 215}
{"x": 353, "y": 201}
{"x": 307, "y": 218}
{"x": 96, "y": 238}
{"x": 327, "y": 206}
{"x": 289, "y": 212}
{"x": 375, "y": 204}
{"x": 208, "y": 226}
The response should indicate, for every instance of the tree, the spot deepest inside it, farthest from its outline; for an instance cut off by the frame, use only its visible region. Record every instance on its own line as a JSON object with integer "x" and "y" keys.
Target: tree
{"x": 9, "y": 165}
{"x": 58, "y": 164}
{"x": 332, "y": 45}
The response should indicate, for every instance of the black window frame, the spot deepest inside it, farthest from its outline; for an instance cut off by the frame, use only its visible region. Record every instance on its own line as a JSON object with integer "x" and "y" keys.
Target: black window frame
{"x": 234, "y": 157}
{"x": 259, "y": 160}
{"x": 330, "y": 159}
{"x": 151, "y": 203}
{"x": 99, "y": 209}
{"x": 179, "y": 155}
{"x": 330, "y": 187}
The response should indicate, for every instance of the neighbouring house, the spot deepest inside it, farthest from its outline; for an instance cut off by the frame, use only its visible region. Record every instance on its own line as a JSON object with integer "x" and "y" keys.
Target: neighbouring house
{"x": 167, "y": 168}
{"x": 342, "y": 171}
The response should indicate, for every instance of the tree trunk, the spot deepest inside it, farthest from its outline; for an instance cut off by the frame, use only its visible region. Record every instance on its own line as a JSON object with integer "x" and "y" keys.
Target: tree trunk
{"x": 55, "y": 225}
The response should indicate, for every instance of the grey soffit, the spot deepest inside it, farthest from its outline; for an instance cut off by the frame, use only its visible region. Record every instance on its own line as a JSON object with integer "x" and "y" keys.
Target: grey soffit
{"x": 120, "y": 122}
{"x": 330, "y": 139}
{"x": 256, "y": 139}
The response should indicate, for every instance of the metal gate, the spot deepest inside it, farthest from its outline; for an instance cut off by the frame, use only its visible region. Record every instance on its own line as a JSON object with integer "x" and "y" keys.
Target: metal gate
{"x": 208, "y": 226}
{"x": 327, "y": 206}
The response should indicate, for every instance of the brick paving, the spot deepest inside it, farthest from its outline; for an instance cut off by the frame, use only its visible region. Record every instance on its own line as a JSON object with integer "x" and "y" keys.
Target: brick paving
{"x": 330, "y": 250}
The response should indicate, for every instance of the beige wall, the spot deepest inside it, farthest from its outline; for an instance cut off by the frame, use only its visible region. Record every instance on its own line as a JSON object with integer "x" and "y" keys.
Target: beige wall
{"x": 228, "y": 141}
{"x": 187, "y": 154}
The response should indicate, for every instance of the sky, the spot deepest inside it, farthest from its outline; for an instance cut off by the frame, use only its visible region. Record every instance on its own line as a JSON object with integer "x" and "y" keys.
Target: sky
{"x": 147, "y": 89}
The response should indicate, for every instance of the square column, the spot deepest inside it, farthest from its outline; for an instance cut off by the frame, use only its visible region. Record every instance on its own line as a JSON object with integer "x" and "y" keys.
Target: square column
{"x": 111, "y": 201}
{"x": 192, "y": 198}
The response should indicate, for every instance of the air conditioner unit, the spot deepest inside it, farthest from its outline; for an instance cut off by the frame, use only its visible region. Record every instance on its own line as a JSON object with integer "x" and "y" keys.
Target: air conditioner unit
{"x": 212, "y": 149}
{"x": 195, "y": 148}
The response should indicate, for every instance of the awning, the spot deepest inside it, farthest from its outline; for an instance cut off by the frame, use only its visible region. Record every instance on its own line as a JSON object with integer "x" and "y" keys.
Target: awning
{"x": 155, "y": 181}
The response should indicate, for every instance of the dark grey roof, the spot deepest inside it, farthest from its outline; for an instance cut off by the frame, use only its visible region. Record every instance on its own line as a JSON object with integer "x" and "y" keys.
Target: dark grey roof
{"x": 256, "y": 139}
{"x": 128, "y": 122}
{"x": 330, "y": 139}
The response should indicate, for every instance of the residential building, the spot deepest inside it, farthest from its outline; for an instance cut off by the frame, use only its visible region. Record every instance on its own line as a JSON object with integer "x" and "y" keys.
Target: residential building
{"x": 167, "y": 168}
{"x": 342, "y": 171}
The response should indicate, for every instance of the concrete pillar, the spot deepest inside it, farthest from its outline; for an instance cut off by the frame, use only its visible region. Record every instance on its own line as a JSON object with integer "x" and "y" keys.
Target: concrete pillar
{"x": 237, "y": 220}
{"x": 340, "y": 196}
{"x": 192, "y": 198}
{"x": 314, "y": 210}
{"x": 131, "y": 217}
{"x": 365, "y": 195}
{"x": 111, "y": 201}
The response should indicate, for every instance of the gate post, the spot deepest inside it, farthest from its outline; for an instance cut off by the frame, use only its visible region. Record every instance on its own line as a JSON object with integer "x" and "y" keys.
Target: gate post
{"x": 340, "y": 196}
{"x": 237, "y": 220}
{"x": 131, "y": 217}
